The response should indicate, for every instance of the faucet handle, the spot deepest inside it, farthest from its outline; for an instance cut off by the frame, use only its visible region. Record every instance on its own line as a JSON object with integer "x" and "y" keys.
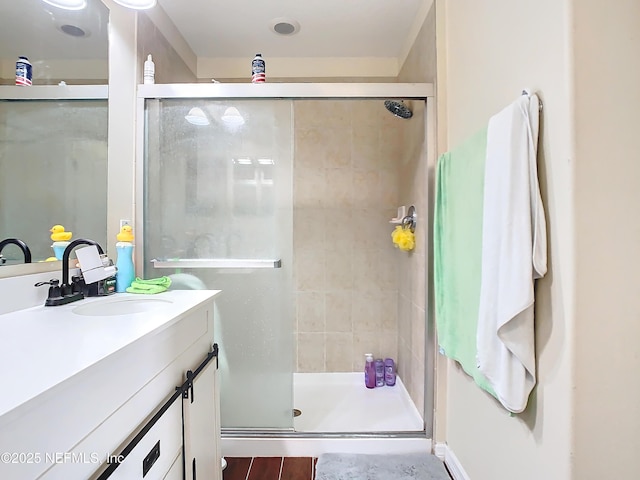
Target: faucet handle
{"x": 54, "y": 289}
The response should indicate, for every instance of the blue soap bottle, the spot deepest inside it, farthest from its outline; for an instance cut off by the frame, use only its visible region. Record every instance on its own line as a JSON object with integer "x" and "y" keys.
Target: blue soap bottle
{"x": 124, "y": 263}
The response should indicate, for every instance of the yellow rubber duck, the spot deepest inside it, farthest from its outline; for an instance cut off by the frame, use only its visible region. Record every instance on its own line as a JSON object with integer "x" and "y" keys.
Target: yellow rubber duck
{"x": 59, "y": 235}
{"x": 126, "y": 234}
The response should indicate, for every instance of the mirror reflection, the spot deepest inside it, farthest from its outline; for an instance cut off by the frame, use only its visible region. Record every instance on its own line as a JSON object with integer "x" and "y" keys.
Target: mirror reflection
{"x": 61, "y": 45}
{"x": 53, "y": 152}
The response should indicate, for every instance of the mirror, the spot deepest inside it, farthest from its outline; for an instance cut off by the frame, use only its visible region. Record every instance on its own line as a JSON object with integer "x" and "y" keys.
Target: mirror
{"x": 53, "y": 151}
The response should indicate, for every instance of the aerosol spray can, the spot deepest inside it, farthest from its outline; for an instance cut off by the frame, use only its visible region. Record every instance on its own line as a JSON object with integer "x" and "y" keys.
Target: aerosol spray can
{"x": 23, "y": 72}
{"x": 258, "y": 74}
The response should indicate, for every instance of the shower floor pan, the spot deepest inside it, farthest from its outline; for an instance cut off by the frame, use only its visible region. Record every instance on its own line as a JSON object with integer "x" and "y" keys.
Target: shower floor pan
{"x": 339, "y": 402}
{"x": 339, "y": 414}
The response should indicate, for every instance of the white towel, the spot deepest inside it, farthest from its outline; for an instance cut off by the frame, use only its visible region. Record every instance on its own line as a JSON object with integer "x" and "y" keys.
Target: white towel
{"x": 514, "y": 253}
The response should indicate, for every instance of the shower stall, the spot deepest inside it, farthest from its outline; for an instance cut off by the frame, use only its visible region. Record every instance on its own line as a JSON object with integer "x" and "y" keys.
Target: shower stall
{"x": 281, "y": 196}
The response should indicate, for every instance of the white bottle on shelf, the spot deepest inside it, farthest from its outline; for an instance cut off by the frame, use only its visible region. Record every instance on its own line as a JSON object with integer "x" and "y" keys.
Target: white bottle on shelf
{"x": 149, "y": 71}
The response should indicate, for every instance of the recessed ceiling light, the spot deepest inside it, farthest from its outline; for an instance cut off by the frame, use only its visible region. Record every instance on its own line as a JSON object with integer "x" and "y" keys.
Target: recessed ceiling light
{"x": 74, "y": 31}
{"x": 285, "y": 26}
{"x": 67, "y": 4}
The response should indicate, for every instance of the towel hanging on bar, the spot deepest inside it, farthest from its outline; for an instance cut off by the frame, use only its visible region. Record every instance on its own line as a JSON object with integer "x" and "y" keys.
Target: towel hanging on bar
{"x": 514, "y": 253}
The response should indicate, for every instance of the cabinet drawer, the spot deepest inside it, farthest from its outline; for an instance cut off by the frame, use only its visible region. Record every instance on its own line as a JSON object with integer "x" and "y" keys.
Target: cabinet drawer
{"x": 157, "y": 452}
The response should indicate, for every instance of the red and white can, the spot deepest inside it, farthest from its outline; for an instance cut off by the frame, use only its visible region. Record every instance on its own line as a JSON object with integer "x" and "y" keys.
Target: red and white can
{"x": 258, "y": 73}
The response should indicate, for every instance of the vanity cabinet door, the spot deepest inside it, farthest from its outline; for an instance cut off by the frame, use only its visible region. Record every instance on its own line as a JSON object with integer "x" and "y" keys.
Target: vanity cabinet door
{"x": 201, "y": 407}
{"x": 158, "y": 452}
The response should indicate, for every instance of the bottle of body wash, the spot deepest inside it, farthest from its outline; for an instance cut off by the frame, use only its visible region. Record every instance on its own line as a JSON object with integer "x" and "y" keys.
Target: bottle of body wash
{"x": 369, "y": 371}
{"x": 379, "y": 366}
{"x": 389, "y": 372}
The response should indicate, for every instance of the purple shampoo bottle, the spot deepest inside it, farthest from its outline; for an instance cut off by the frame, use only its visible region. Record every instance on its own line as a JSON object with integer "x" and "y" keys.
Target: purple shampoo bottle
{"x": 389, "y": 372}
{"x": 369, "y": 371}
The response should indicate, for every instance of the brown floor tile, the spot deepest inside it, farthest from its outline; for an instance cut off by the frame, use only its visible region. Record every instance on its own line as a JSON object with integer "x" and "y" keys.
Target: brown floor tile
{"x": 297, "y": 468}
{"x": 237, "y": 468}
{"x": 265, "y": 468}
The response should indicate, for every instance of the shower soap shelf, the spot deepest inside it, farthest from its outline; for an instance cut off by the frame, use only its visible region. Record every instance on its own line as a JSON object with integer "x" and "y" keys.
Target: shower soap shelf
{"x": 402, "y": 212}
{"x": 405, "y": 217}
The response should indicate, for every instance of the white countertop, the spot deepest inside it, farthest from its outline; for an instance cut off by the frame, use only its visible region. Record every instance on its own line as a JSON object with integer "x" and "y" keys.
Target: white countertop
{"x": 41, "y": 347}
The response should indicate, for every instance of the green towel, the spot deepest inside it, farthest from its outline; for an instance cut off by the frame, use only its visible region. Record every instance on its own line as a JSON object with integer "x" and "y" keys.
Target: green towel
{"x": 458, "y": 252}
{"x": 151, "y": 286}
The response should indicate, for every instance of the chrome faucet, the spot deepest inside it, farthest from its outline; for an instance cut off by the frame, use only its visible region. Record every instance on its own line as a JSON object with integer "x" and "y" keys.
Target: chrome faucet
{"x": 19, "y": 243}
{"x": 67, "y": 292}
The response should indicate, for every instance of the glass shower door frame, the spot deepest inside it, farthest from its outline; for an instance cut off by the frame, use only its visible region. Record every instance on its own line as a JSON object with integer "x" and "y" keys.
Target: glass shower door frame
{"x": 293, "y": 91}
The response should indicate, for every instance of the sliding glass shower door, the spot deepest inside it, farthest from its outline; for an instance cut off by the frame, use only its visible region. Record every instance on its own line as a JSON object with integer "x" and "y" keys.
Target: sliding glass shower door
{"x": 218, "y": 215}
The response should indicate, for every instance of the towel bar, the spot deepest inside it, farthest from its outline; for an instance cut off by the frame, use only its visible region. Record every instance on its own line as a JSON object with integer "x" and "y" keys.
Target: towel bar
{"x": 216, "y": 263}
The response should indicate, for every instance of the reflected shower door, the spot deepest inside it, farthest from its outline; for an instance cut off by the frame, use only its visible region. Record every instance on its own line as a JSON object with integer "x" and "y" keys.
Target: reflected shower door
{"x": 218, "y": 215}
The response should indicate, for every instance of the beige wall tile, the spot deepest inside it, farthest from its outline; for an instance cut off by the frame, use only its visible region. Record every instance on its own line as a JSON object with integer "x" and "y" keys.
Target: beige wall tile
{"x": 339, "y": 271}
{"x": 339, "y": 352}
{"x": 365, "y": 342}
{"x": 339, "y": 188}
{"x": 309, "y": 270}
{"x": 338, "y": 312}
{"x": 309, "y": 187}
{"x": 309, "y": 228}
{"x": 370, "y": 164}
{"x": 366, "y": 313}
{"x": 311, "y": 352}
{"x": 310, "y": 312}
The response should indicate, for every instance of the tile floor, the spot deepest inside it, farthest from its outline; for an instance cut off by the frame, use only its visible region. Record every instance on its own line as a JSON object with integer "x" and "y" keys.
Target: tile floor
{"x": 269, "y": 468}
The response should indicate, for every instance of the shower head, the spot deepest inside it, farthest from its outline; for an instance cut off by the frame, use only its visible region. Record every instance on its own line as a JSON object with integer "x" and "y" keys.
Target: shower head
{"x": 399, "y": 109}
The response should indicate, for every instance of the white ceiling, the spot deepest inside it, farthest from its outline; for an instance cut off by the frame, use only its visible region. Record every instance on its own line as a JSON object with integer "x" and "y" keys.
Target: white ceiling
{"x": 330, "y": 31}
{"x": 32, "y": 28}
{"x": 328, "y": 28}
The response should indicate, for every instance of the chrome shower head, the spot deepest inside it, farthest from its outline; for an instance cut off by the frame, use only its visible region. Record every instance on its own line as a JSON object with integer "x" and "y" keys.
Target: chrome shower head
{"x": 399, "y": 109}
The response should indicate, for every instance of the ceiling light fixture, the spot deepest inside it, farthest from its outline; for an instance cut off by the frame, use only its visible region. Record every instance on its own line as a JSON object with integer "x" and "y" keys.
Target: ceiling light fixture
{"x": 232, "y": 117}
{"x": 137, "y": 4}
{"x": 196, "y": 117}
{"x": 67, "y": 4}
{"x": 284, "y": 26}
{"x": 73, "y": 30}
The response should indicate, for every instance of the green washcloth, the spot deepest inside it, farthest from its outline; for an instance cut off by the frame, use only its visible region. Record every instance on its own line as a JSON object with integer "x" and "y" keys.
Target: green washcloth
{"x": 458, "y": 252}
{"x": 149, "y": 287}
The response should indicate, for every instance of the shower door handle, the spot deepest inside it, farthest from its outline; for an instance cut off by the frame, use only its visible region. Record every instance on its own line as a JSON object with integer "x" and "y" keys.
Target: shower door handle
{"x": 220, "y": 263}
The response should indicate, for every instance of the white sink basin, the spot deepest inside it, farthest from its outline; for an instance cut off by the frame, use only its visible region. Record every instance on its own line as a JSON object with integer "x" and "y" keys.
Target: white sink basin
{"x": 125, "y": 306}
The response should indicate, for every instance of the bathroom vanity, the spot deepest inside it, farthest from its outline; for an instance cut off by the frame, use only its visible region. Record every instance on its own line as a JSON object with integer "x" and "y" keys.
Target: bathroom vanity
{"x": 118, "y": 387}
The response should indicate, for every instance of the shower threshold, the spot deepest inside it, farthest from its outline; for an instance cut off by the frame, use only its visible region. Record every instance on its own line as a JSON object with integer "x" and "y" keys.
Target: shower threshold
{"x": 307, "y": 444}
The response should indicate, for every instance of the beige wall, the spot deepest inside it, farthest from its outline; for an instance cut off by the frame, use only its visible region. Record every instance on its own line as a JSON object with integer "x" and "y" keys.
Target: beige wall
{"x": 169, "y": 66}
{"x": 491, "y": 51}
{"x": 606, "y": 69}
{"x": 582, "y": 421}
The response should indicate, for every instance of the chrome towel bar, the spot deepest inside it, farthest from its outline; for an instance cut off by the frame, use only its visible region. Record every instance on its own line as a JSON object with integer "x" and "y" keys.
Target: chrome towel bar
{"x": 216, "y": 263}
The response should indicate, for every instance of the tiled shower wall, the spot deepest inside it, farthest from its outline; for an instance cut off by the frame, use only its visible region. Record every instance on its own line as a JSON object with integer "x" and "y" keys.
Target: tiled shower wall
{"x": 348, "y": 158}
